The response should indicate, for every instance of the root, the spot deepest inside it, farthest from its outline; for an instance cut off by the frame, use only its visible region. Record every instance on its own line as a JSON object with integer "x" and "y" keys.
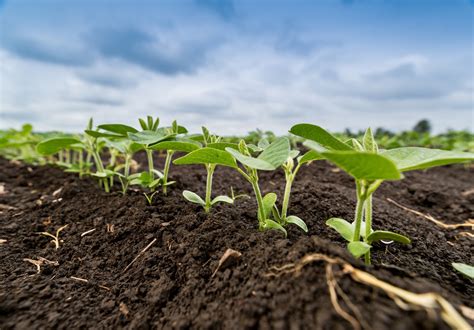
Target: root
{"x": 40, "y": 262}
{"x": 469, "y": 223}
{"x": 406, "y": 300}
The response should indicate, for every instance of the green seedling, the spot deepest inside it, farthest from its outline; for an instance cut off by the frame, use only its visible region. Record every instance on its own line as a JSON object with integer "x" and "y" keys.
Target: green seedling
{"x": 197, "y": 156}
{"x": 466, "y": 270}
{"x": 55, "y": 238}
{"x": 370, "y": 167}
{"x": 149, "y": 197}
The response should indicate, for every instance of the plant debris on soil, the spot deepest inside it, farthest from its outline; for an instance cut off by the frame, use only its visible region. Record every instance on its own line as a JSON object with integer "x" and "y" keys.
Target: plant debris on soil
{"x": 124, "y": 264}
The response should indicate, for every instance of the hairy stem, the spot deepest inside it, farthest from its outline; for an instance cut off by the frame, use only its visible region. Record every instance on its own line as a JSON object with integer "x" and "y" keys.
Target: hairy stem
{"x": 149, "y": 156}
{"x": 210, "y": 172}
{"x": 169, "y": 157}
{"x": 358, "y": 217}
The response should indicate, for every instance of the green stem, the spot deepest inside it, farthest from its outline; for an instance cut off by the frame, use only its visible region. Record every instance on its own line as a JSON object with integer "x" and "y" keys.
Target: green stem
{"x": 368, "y": 224}
{"x": 210, "y": 172}
{"x": 261, "y": 210}
{"x": 358, "y": 218}
{"x": 81, "y": 165}
{"x": 126, "y": 171}
{"x": 68, "y": 157}
{"x": 169, "y": 157}
{"x": 100, "y": 168}
{"x": 149, "y": 155}
{"x": 286, "y": 197}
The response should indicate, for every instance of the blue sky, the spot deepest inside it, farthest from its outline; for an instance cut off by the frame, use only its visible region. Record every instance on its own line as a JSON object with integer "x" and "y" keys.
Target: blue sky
{"x": 237, "y": 65}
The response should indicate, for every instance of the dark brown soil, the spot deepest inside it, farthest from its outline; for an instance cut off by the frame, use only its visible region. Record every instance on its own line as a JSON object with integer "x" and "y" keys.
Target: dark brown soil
{"x": 171, "y": 284}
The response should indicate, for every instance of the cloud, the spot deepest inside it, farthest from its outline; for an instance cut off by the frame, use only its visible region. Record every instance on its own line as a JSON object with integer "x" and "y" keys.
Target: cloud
{"x": 48, "y": 51}
{"x": 104, "y": 79}
{"x": 224, "y": 8}
{"x": 168, "y": 57}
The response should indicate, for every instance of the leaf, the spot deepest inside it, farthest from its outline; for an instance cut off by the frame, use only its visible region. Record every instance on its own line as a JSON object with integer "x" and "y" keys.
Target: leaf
{"x": 207, "y": 156}
{"x": 193, "y": 197}
{"x": 467, "y": 270}
{"x": 358, "y": 249}
{"x": 270, "y": 224}
{"x": 97, "y": 134}
{"x": 319, "y": 135}
{"x": 369, "y": 142}
{"x": 356, "y": 144}
{"x": 268, "y": 201}
{"x": 223, "y": 145}
{"x": 54, "y": 145}
{"x": 379, "y": 235}
{"x": 118, "y": 129}
{"x": 223, "y": 199}
{"x": 186, "y": 146}
{"x": 277, "y": 152}
{"x": 148, "y": 137}
{"x": 251, "y": 162}
{"x": 294, "y": 153}
{"x": 263, "y": 143}
{"x": 416, "y": 158}
{"x": 297, "y": 221}
{"x": 364, "y": 165}
{"x": 344, "y": 228}
{"x": 310, "y": 156}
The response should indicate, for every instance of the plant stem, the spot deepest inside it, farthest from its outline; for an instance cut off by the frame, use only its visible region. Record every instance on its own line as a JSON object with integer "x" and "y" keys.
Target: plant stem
{"x": 100, "y": 167}
{"x": 368, "y": 224}
{"x": 261, "y": 210}
{"x": 149, "y": 155}
{"x": 358, "y": 217}
{"x": 286, "y": 197}
{"x": 210, "y": 172}
{"x": 169, "y": 157}
{"x": 68, "y": 156}
{"x": 126, "y": 171}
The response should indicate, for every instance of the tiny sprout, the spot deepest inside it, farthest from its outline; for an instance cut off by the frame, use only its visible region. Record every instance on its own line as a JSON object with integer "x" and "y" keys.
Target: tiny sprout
{"x": 55, "y": 238}
{"x": 149, "y": 197}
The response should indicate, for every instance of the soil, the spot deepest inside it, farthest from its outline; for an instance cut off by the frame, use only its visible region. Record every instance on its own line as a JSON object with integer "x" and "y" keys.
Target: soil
{"x": 174, "y": 283}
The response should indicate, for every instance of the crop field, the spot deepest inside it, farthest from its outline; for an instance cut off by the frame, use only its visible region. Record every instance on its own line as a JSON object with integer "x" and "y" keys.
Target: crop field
{"x": 145, "y": 225}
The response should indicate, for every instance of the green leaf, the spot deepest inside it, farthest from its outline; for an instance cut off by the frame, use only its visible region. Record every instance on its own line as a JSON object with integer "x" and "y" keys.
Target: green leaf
{"x": 464, "y": 269}
{"x": 294, "y": 154}
{"x": 297, "y": 221}
{"x": 364, "y": 165}
{"x": 97, "y": 134}
{"x": 118, "y": 129}
{"x": 358, "y": 249}
{"x": 54, "y": 145}
{"x": 356, "y": 144}
{"x": 193, "y": 197}
{"x": 310, "y": 156}
{"x": 223, "y": 145}
{"x": 263, "y": 143}
{"x": 319, "y": 135}
{"x": 369, "y": 142}
{"x": 207, "y": 156}
{"x": 379, "y": 235}
{"x": 148, "y": 137}
{"x": 277, "y": 152}
{"x": 344, "y": 228}
{"x": 270, "y": 224}
{"x": 222, "y": 199}
{"x": 268, "y": 201}
{"x": 251, "y": 162}
{"x": 415, "y": 158}
{"x": 186, "y": 146}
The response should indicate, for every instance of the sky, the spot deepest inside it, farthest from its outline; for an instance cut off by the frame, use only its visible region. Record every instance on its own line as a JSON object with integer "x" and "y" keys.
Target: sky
{"x": 237, "y": 65}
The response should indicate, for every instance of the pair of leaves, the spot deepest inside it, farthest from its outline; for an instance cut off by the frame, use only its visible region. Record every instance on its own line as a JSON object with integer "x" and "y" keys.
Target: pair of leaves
{"x": 357, "y": 249}
{"x": 196, "y": 199}
{"x": 272, "y": 157}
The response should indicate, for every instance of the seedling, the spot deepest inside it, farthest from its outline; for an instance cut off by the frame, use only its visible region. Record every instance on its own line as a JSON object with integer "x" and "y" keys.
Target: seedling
{"x": 149, "y": 197}
{"x": 196, "y": 157}
{"x": 370, "y": 167}
{"x": 466, "y": 270}
{"x": 55, "y": 238}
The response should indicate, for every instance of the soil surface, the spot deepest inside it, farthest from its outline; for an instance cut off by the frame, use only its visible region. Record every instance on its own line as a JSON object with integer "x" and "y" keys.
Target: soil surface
{"x": 89, "y": 283}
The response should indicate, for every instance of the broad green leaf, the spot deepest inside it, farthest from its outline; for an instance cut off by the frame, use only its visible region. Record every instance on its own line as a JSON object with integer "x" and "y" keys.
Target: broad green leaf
{"x": 268, "y": 201}
{"x": 270, "y": 224}
{"x": 364, "y": 165}
{"x": 223, "y": 145}
{"x": 54, "y": 145}
{"x": 193, "y": 197}
{"x": 294, "y": 153}
{"x": 379, "y": 235}
{"x": 207, "y": 156}
{"x": 297, "y": 221}
{"x": 156, "y": 182}
{"x": 148, "y": 137}
{"x": 416, "y": 158}
{"x": 263, "y": 143}
{"x": 251, "y": 162}
{"x": 358, "y": 249}
{"x": 369, "y": 142}
{"x": 223, "y": 199}
{"x": 118, "y": 129}
{"x": 276, "y": 213}
{"x": 277, "y": 152}
{"x": 315, "y": 146}
{"x": 97, "y": 134}
{"x": 310, "y": 156}
{"x": 186, "y": 146}
{"x": 464, "y": 269}
{"x": 319, "y": 135}
{"x": 344, "y": 228}
{"x": 356, "y": 144}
